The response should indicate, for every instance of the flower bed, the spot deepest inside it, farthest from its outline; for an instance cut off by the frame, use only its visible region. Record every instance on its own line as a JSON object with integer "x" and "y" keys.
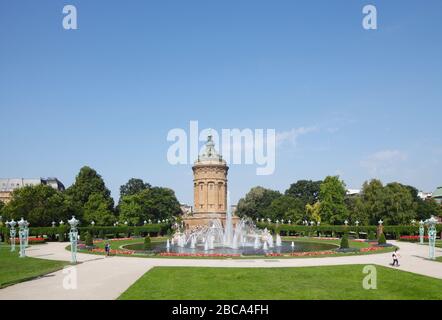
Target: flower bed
{"x": 371, "y": 249}
{"x": 302, "y": 254}
{"x": 124, "y": 252}
{"x": 211, "y": 255}
{"x": 31, "y": 240}
{"x": 116, "y": 239}
{"x": 412, "y": 238}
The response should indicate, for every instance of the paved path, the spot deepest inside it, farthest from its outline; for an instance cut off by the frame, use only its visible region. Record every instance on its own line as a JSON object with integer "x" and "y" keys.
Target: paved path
{"x": 107, "y": 278}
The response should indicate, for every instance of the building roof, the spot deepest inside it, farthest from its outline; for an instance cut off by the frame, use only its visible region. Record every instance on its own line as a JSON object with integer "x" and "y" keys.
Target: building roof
{"x": 10, "y": 184}
{"x": 210, "y": 155}
{"x": 437, "y": 193}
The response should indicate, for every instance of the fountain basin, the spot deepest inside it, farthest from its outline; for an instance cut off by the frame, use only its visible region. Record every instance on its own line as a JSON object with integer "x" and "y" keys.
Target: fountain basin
{"x": 286, "y": 247}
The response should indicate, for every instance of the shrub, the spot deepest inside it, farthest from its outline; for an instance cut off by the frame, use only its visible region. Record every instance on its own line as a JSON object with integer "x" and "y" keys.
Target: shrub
{"x": 147, "y": 243}
{"x": 371, "y": 235}
{"x": 88, "y": 240}
{"x": 344, "y": 242}
{"x": 382, "y": 239}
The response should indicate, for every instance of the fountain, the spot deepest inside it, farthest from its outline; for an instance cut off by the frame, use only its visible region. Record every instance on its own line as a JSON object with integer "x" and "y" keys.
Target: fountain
{"x": 278, "y": 240}
{"x": 243, "y": 238}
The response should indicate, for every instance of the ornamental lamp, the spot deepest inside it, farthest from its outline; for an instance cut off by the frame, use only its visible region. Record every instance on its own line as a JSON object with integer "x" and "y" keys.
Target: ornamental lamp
{"x": 73, "y": 222}
{"x": 12, "y": 223}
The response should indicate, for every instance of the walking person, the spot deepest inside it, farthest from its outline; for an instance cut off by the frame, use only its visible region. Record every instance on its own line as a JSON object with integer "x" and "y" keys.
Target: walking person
{"x": 395, "y": 258}
{"x": 107, "y": 249}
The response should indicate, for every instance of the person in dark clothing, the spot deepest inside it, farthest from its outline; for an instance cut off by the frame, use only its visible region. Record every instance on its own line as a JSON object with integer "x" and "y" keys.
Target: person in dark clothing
{"x": 395, "y": 258}
{"x": 107, "y": 248}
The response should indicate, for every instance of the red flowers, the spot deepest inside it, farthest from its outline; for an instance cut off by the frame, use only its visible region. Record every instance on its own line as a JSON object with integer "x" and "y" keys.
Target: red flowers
{"x": 212, "y": 255}
{"x": 125, "y": 252}
{"x": 369, "y": 249}
{"x": 117, "y": 239}
{"x": 412, "y": 238}
{"x": 31, "y": 240}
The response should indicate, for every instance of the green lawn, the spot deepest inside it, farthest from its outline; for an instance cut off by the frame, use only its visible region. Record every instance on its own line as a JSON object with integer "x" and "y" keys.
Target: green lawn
{"x": 14, "y": 269}
{"x": 324, "y": 283}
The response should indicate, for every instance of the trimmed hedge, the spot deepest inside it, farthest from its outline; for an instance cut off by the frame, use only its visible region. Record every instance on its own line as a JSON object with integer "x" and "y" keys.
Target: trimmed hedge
{"x": 391, "y": 232}
{"x": 124, "y": 231}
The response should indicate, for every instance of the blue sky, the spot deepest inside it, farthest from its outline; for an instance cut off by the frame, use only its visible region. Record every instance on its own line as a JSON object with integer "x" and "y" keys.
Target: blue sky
{"x": 106, "y": 95}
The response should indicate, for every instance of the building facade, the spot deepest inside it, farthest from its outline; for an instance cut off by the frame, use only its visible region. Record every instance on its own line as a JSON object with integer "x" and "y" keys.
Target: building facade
{"x": 7, "y": 186}
{"x": 437, "y": 195}
{"x": 209, "y": 188}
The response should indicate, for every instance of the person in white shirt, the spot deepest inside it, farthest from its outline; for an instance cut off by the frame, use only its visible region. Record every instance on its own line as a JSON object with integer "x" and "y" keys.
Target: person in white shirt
{"x": 395, "y": 258}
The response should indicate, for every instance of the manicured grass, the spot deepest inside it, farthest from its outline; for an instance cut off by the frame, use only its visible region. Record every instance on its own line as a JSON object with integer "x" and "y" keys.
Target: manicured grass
{"x": 14, "y": 269}
{"x": 439, "y": 259}
{"x": 317, "y": 283}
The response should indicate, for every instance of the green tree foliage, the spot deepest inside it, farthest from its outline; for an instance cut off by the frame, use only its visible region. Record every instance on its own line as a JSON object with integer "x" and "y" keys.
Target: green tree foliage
{"x": 313, "y": 211}
{"x": 87, "y": 183}
{"x": 40, "y": 205}
{"x": 382, "y": 239}
{"x": 99, "y": 209}
{"x": 399, "y": 205}
{"x": 133, "y": 186}
{"x": 257, "y": 202}
{"x": 147, "y": 243}
{"x": 155, "y": 203}
{"x": 344, "y": 242}
{"x": 356, "y": 210}
{"x": 332, "y": 195}
{"x": 305, "y": 190}
{"x": 287, "y": 208}
{"x": 88, "y": 240}
{"x": 427, "y": 208}
{"x": 394, "y": 203}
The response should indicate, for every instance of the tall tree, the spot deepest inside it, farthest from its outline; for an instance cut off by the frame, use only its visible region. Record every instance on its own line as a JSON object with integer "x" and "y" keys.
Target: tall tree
{"x": 133, "y": 186}
{"x": 373, "y": 198}
{"x": 332, "y": 195}
{"x": 99, "y": 209}
{"x": 314, "y": 211}
{"x": 305, "y": 190}
{"x": 399, "y": 204}
{"x": 155, "y": 203}
{"x": 88, "y": 182}
{"x": 256, "y": 203}
{"x": 40, "y": 205}
{"x": 357, "y": 210}
{"x": 287, "y": 208}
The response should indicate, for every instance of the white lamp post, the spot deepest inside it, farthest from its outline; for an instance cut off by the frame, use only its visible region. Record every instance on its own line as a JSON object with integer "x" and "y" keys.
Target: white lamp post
{"x": 73, "y": 237}
{"x": 421, "y": 232}
{"x": 26, "y": 233}
{"x": 22, "y": 237}
{"x": 12, "y": 233}
{"x": 432, "y": 236}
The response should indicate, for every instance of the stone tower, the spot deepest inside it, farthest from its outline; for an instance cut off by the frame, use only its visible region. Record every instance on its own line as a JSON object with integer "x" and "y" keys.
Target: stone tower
{"x": 210, "y": 187}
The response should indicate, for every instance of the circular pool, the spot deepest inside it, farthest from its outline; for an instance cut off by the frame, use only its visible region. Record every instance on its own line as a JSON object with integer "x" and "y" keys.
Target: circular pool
{"x": 286, "y": 247}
